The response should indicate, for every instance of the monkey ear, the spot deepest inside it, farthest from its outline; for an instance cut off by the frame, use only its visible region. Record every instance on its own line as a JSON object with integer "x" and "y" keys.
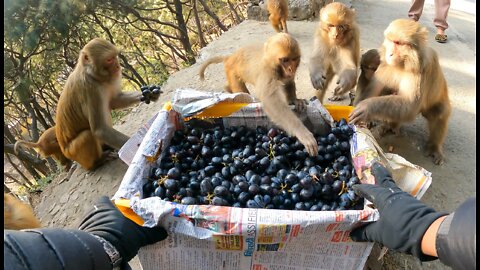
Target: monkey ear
{"x": 86, "y": 59}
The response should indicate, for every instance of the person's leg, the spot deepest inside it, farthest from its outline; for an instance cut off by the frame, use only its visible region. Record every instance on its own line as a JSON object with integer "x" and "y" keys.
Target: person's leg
{"x": 441, "y": 12}
{"x": 440, "y": 21}
{"x": 416, "y": 9}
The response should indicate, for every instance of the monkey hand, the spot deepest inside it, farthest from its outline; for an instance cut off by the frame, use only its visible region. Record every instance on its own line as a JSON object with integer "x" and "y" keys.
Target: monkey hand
{"x": 308, "y": 140}
{"x": 319, "y": 80}
{"x": 300, "y": 105}
{"x": 360, "y": 113}
{"x": 346, "y": 81}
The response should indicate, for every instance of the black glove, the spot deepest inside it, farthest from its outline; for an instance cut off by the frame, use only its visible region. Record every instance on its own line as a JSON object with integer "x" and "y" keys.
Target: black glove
{"x": 106, "y": 221}
{"x": 403, "y": 219}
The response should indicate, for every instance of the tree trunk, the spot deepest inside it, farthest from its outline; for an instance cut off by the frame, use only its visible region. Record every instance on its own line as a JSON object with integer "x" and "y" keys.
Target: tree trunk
{"x": 213, "y": 15}
{"x": 201, "y": 39}
{"x": 5, "y": 188}
{"x": 183, "y": 32}
{"x": 26, "y": 180}
{"x": 32, "y": 164}
{"x": 234, "y": 12}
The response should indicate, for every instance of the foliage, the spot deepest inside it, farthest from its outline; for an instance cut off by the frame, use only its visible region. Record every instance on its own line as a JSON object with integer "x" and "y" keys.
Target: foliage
{"x": 42, "y": 39}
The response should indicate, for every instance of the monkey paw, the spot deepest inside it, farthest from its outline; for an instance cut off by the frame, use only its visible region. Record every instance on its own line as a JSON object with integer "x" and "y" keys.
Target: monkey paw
{"x": 318, "y": 81}
{"x": 300, "y": 105}
{"x": 336, "y": 98}
{"x": 432, "y": 151}
{"x": 308, "y": 140}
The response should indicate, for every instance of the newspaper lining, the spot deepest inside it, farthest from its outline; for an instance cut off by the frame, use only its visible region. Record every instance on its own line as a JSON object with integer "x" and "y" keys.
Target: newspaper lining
{"x": 214, "y": 237}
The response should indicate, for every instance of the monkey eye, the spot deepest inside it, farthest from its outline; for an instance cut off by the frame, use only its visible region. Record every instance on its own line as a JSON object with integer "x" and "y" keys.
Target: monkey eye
{"x": 330, "y": 25}
{"x": 369, "y": 68}
{"x": 284, "y": 60}
{"x": 342, "y": 27}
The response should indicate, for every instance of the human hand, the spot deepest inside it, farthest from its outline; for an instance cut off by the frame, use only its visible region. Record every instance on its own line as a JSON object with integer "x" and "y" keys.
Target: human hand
{"x": 106, "y": 221}
{"x": 403, "y": 219}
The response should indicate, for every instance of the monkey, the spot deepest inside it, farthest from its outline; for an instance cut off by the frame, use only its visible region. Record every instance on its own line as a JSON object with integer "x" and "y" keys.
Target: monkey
{"x": 368, "y": 65}
{"x": 336, "y": 51}
{"x": 278, "y": 10}
{"x": 47, "y": 146}
{"x": 18, "y": 215}
{"x": 410, "y": 67}
{"x": 92, "y": 90}
{"x": 271, "y": 69}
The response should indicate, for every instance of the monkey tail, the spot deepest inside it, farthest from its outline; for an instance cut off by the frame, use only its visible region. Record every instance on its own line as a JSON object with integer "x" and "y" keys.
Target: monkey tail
{"x": 22, "y": 142}
{"x": 213, "y": 60}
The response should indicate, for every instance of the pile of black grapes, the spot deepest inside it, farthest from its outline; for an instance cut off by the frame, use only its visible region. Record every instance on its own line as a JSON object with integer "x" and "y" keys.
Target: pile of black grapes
{"x": 150, "y": 92}
{"x": 260, "y": 168}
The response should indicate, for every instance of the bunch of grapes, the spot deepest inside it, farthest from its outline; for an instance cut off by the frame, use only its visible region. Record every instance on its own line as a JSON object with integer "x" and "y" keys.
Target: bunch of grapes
{"x": 150, "y": 92}
{"x": 259, "y": 168}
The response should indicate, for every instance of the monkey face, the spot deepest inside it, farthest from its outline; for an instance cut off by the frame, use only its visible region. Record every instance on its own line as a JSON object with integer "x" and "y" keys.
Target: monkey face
{"x": 336, "y": 33}
{"x": 368, "y": 71}
{"x": 289, "y": 66}
{"x": 394, "y": 51}
{"x": 112, "y": 65}
{"x": 100, "y": 59}
{"x": 369, "y": 63}
{"x": 335, "y": 20}
{"x": 283, "y": 51}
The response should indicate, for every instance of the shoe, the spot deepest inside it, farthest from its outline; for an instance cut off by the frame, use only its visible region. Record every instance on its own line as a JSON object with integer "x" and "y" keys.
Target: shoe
{"x": 441, "y": 38}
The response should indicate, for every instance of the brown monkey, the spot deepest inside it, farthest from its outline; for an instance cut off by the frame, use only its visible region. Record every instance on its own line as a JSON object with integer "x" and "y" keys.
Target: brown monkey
{"x": 278, "y": 10}
{"x": 271, "y": 69}
{"x": 18, "y": 215}
{"x": 368, "y": 65}
{"x": 83, "y": 117}
{"x": 47, "y": 146}
{"x": 336, "y": 51}
{"x": 410, "y": 67}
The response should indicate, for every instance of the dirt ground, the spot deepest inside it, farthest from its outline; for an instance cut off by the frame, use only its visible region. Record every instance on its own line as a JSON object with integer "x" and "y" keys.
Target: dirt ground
{"x": 63, "y": 205}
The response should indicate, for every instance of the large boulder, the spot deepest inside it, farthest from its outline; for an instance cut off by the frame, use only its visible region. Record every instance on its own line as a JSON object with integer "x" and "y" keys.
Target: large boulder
{"x": 298, "y": 10}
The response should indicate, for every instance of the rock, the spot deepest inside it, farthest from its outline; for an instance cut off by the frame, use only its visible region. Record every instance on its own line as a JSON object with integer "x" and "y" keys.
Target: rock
{"x": 64, "y": 198}
{"x": 257, "y": 13}
{"x": 55, "y": 210}
{"x": 51, "y": 207}
{"x": 300, "y": 10}
{"x": 297, "y": 10}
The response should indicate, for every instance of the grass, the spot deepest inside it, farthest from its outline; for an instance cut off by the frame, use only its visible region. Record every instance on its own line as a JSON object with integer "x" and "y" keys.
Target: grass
{"x": 118, "y": 115}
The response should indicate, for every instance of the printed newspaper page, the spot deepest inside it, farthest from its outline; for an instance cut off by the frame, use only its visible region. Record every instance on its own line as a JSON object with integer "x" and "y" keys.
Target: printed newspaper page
{"x": 215, "y": 237}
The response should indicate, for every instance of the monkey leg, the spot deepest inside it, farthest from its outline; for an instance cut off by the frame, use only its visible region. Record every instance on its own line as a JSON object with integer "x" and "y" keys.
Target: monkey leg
{"x": 437, "y": 117}
{"x": 284, "y": 26}
{"x": 235, "y": 84}
{"x": 291, "y": 93}
{"x": 84, "y": 149}
{"x": 275, "y": 22}
{"x": 65, "y": 162}
{"x": 321, "y": 92}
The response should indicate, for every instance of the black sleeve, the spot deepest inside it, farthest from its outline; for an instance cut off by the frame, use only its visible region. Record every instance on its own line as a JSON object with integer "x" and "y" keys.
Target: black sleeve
{"x": 53, "y": 249}
{"x": 456, "y": 237}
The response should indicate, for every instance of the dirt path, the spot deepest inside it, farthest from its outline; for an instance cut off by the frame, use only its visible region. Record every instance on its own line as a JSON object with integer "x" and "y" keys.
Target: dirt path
{"x": 63, "y": 205}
